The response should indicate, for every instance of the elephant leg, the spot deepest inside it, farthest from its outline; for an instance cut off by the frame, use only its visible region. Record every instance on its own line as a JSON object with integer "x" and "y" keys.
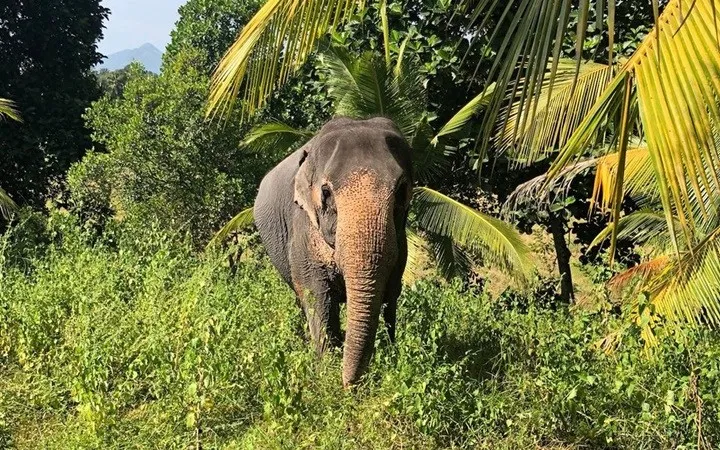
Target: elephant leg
{"x": 393, "y": 290}
{"x": 323, "y": 317}
{"x": 390, "y": 309}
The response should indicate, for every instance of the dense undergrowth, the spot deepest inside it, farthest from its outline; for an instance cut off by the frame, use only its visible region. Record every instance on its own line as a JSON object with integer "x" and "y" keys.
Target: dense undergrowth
{"x": 132, "y": 340}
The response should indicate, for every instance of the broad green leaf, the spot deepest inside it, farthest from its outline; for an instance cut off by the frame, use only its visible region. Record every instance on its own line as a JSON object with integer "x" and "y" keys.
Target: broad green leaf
{"x": 242, "y": 220}
{"x": 498, "y": 243}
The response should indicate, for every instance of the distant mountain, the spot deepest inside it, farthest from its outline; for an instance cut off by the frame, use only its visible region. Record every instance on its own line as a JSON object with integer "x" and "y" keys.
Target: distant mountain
{"x": 148, "y": 55}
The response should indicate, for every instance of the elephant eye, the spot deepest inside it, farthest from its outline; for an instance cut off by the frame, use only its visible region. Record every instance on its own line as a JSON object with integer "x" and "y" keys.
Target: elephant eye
{"x": 326, "y": 193}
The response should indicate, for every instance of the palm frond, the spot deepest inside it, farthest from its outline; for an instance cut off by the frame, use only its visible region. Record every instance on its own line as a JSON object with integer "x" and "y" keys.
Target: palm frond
{"x": 540, "y": 190}
{"x": 9, "y": 110}
{"x": 242, "y": 220}
{"x": 366, "y": 86}
{"x": 639, "y": 178}
{"x": 533, "y": 34}
{"x": 451, "y": 260}
{"x": 674, "y": 79}
{"x": 496, "y": 241}
{"x": 640, "y": 273}
{"x": 271, "y": 47}
{"x": 275, "y": 137}
{"x": 466, "y": 113}
{"x": 7, "y": 205}
{"x": 528, "y": 135}
{"x": 688, "y": 289}
{"x": 429, "y": 161}
{"x": 645, "y": 226}
{"x": 641, "y": 184}
{"x": 417, "y": 258}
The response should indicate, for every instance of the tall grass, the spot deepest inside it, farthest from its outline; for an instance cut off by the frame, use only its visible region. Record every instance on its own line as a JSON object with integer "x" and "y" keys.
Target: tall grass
{"x": 132, "y": 340}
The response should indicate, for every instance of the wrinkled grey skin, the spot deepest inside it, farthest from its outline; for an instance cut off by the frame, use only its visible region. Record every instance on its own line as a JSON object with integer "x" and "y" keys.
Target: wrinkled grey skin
{"x": 332, "y": 216}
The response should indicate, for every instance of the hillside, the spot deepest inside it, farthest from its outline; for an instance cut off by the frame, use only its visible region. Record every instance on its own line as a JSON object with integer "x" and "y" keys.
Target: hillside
{"x": 147, "y": 54}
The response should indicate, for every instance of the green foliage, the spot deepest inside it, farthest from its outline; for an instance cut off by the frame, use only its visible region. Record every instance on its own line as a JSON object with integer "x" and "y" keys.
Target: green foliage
{"x": 365, "y": 86}
{"x": 424, "y": 27}
{"x": 210, "y": 25}
{"x": 90, "y": 184}
{"x": 112, "y": 82}
{"x": 46, "y": 54}
{"x": 164, "y": 162}
{"x": 133, "y": 341}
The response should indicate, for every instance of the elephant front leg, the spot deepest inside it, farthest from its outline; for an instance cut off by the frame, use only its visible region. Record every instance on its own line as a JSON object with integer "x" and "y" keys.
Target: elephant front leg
{"x": 392, "y": 292}
{"x": 390, "y": 313}
{"x": 323, "y": 318}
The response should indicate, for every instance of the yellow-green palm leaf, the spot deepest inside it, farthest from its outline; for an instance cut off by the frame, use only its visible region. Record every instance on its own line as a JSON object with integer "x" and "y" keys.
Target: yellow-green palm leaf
{"x": 8, "y": 109}
{"x": 673, "y": 80}
{"x": 272, "y": 46}
{"x": 645, "y": 226}
{"x": 275, "y": 137}
{"x": 688, "y": 289}
{"x": 7, "y": 205}
{"x": 639, "y": 177}
{"x": 532, "y": 37}
{"x": 244, "y": 219}
{"x": 467, "y": 112}
{"x": 497, "y": 242}
{"x": 531, "y": 131}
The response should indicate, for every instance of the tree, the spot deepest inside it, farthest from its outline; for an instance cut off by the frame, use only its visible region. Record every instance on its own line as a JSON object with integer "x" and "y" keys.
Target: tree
{"x": 210, "y": 25}
{"x": 667, "y": 94}
{"x": 47, "y": 53}
{"x": 163, "y": 162}
{"x": 669, "y": 84}
{"x": 112, "y": 82}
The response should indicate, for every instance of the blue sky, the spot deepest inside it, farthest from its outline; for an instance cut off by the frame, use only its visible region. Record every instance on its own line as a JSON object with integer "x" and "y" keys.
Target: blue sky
{"x": 135, "y": 22}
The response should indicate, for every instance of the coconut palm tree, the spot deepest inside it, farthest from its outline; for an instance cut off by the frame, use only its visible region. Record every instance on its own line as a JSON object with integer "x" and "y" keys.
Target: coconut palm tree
{"x": 367, "y": 86}
{"x": 665, "y": 97}
{"x": 7, "y": 109}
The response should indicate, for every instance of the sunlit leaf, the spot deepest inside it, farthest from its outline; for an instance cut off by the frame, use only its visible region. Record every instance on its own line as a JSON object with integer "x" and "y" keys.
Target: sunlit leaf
{"x": 498, "y": 243}
{"x": 467, "y": 112}
{"x": 244, "y": 219}
{"x": 271, "y": 47}
{"x": 366, "y": 86}
{"x": 9, "y": 110}
{"x": 275, "y": 137}
{"x": 556, "y": 114}
{"x": 7, "y": 205}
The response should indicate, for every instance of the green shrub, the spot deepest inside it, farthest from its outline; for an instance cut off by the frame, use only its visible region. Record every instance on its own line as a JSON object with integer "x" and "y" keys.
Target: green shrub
{"x": 159, "y": 160}
{"x": 133, "y": 340}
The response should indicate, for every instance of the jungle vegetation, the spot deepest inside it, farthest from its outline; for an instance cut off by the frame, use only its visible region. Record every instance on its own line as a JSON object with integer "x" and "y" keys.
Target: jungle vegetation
{"x": 563, "y": 289}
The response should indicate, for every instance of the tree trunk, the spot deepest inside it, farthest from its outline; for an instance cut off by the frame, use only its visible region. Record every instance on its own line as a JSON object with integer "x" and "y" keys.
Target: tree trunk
{"x": 557, "y": 228}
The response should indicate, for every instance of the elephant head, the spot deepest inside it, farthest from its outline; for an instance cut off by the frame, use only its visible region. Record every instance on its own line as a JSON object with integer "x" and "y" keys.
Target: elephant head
{"x": 355, "y": 184}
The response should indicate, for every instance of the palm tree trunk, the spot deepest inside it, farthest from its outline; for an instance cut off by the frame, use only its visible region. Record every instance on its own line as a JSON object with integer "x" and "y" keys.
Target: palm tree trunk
{"x": 557, "y": 229}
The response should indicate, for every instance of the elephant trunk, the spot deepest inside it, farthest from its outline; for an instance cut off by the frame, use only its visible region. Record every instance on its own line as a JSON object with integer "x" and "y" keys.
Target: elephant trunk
{"x": 367, "y": 248}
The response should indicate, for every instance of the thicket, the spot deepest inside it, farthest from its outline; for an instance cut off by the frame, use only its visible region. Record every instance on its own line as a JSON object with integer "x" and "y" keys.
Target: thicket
{"x": 130, "y": 339}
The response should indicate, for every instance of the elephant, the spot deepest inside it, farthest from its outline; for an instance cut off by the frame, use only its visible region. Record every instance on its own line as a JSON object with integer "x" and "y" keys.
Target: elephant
{"x": 332, "y": 217}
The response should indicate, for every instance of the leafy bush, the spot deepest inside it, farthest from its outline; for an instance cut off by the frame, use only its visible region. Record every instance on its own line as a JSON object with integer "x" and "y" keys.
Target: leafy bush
{"x": 134, "y": 340}
{"x": 164, "y": 162}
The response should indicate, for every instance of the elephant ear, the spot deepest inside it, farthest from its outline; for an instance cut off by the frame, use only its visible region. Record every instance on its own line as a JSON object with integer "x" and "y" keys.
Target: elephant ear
{"x": 304, "y": 188}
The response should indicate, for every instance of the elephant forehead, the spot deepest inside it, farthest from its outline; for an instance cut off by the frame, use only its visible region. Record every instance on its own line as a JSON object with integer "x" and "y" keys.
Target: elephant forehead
{"x": 364, "y": 185}
{"x": 344, "y": 153}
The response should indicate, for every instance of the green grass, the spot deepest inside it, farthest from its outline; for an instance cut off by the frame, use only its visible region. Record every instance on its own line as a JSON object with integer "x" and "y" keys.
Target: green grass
{"x": 134, "y": 341}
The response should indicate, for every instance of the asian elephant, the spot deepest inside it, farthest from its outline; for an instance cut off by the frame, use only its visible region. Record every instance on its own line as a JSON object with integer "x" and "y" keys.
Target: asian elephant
{"x": 332, "y": 216}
